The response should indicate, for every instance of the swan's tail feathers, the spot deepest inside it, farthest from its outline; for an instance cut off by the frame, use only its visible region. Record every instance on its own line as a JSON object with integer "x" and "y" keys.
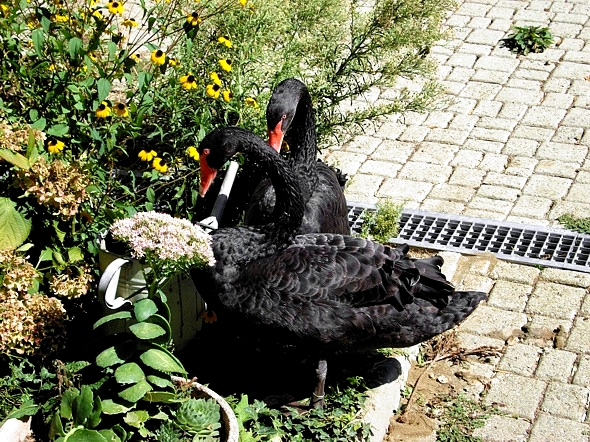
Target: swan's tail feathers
{"x": 433, "y": 284}
{"x": 463, "y": 303}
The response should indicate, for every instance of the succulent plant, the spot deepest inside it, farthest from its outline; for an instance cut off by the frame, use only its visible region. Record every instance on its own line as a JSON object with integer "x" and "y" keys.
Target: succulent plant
{"x": 199, "y": 418}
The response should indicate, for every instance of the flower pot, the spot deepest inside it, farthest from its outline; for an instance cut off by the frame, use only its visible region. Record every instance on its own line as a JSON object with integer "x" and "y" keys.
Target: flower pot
{"x": 230, "y": 423}
{"x": 122, "y": 282}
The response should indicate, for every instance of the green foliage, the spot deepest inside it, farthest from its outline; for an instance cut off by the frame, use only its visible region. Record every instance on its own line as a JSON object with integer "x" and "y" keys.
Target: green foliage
{"x": 459, "y": 417}
{"x": 199, "y": 418}
{"x": 338, "y": 421}
{"x": 572, "y": 222}
{"x": 382, "y": 224}
{"x": 527, "y": 39}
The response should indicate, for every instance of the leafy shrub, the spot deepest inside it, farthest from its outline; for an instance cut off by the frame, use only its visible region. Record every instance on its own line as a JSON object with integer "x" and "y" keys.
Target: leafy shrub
{"x": 382, "y": 224}
{"x": 527, "y": 39}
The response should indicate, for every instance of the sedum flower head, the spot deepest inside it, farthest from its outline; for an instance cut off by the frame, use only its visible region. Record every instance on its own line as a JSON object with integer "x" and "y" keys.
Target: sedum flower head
{"x": 158, "y": 57}
{"x": 103, "y": 110}
{"x": 164, "y": 243}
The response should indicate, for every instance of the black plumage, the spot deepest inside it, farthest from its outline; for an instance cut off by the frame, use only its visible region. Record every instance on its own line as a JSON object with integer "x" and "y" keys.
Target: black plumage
{"x": 290, "y": 117}
{"x": 327, "y": 292}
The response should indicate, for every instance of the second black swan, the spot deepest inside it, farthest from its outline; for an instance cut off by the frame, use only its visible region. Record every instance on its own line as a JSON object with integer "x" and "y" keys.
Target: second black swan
{"x": 324, "y": 292}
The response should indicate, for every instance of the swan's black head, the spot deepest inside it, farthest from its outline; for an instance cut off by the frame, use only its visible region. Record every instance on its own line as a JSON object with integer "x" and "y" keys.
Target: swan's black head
{"x": 281, "y": 110}
{"x": 215, "y": 150}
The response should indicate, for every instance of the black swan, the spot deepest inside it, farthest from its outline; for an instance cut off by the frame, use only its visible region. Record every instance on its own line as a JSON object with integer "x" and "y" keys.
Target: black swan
{"x": 290, "y": 116}
{"x": 324, "y": 292}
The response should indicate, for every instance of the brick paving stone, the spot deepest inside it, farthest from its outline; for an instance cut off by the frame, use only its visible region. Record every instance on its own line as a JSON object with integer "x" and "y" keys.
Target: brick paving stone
{"x": 533, "y": 133}
{"x": 516, "y": 95}
{"x": 521, "y": 146}
{"x": 566, "y": 400}
{"x": 578, "y": 192}
{"x": 526, "y": 83}
{"x": 461, "y": 105}
{"x": 491, "y": 205}
{"x": 464, "y": 60}
{"x": 548, "y": 428}
{"x": 516, "y": 273}
{"x": 557, "y": 85}
{"x": 527, "y": 205}
{"x": 480, "y": 90}
{"x": 513, "y": 110}
{"x": 494, "y": 323}
{"x": 498, "y": 193}
{"x": 448, "y": 192}
{"x": 500, "y": 64}
{"x": 391, "y": 130}
{"x": 383, "y": 168}
{"x": 516, "y": 395}
{"x": 487, "y": 108}
{"x": 544, "y": 116}
{"x": 490, "y": 134}
{"x": 364, "y": 184}
{"x": 562, "y": 101}
{"x": 466, "y": 176}
{"x": 510, "y": 295}
{"x": 559, "y": 169}
{"x": 476, "y": 49}
{"x": 582, "y": 375}
{"x": 425, "y": 172}
{"x": 568, "y": 135}
{"x": 485, "y": 36}
{"x": 497, "y": 123}
{"x": 556, "y": 365}
{"x": 404, "y": 190}
{"x": 530, "y": 74}
{"x": 493, "y": 162}
{"x": 435, "y": 153}
{"x": 520, "y": 359}
{"x": 463, "y": 122}
{"x": 460, "y": 74}
{"x": 483, "y": 145}
{"x": 521, "y": 166}
{"x": 548, "y": 332}
{"x": 563, "y": 152}
{"x": 579, "y": 338}
{"x": 468, "y": 158}
{"x": 471, "y": 341}
{"x": 362, "y": 144}
{"x": 547, "y": 186}
{"x": 570, "y": 70}
{"x": 347, "y": 161}
{"x": 503, "y": 429}
{"x": 565, "y": 29}
{"x": 580, "y": 88}
{"x": 580, "y": 210}
{"x": 442, "y": 206}
{"x": 500, "y": 179}
{"x": 555, "y": 300}
{"x": 567, "y": 277}
{"x": 577, "y": 117}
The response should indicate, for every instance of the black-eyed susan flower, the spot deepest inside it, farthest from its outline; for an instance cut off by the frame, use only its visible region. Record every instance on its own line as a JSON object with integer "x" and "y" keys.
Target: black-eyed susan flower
{"x": 193, "y": 19}
{"x": 97, "y": 14}
{"x": 213, "y": 90}
{"x": 173, "y": 62}
{"x": 103, "y": 110}
{"x": 160, "y": 165}
{"x": 209, "y": 316}
{"x": 227, "y": 95}
{"x": 115, "y": 7}
{"x": 147, "y": 155}
{"x": 193, "y": 153}
{"x": 251, "y": 102}
{"x": 61, "y": 18}
{"x": 215, "y": 78}
{"x": 225, "y": 41}
{"x": 135, "y": 57}
{"x": 188, "y": 81}
{"x": 121, "y": 110}
{"x": 130, "y": 23}
{"x": 225, "y": 64}
{"x": 55, "y": 146}
{"x": 158, "y": 57}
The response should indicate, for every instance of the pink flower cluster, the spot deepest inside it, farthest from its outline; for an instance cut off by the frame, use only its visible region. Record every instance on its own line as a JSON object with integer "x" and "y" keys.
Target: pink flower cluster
{"x": 165, "y": 243}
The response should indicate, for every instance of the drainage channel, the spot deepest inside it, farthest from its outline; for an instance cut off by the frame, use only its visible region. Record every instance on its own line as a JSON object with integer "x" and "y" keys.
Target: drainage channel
{"x": 520, "y": 243}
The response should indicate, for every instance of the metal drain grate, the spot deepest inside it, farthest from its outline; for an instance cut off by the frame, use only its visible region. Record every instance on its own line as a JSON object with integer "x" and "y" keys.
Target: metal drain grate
{"x": 521, "y": 243}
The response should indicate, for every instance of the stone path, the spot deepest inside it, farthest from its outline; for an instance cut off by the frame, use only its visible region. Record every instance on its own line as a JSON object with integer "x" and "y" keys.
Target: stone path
{"x": 512, "y": 145}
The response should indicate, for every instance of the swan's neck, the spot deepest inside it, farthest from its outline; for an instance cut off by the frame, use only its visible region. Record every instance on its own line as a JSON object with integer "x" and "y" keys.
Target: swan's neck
{"x": 302, "y": 135}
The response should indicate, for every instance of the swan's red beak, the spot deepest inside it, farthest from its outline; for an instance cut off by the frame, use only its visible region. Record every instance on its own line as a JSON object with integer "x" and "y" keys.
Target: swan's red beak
{"x": 275, "y": 137}
{"x": 207, "y": 175}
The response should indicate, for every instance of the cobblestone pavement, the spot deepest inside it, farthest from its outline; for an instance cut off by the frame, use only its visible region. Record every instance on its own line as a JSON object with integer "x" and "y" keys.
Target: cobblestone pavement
{"x": 511, "y": 145}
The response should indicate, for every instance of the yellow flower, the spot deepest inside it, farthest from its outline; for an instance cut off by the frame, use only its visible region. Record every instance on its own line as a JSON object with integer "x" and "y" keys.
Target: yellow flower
{"x": 97, "y": 14}
{"x": 193, "y": 19}
{"x": 160, "y": 165}
{"x": 188, "y": 81}
{"x": 209, "y": 316}
{"x": 227, "y": 95}
{"x": 103, "y": 110}
{"x": 55, "y": 146}
{"x": 61, "y": 18}
{"x": 4, "y": 9}
{"x": 145, "y": 155}
{"x": 130, "y": 23}
{"x": 215, "y": 78}
{"x": 173, "y": 62}
{"x": 193, "y": 153}
{"x": 243, "y": 2}
{"x": 225, "y": 64}
{"x": 158, "y": 57}
{"x": 51, "y": 67}
{"x": 213, "y": 91}
{"x": 251, "y": 102}
{"x": 115, "y": 7}
{"x": 135, "y": 57}
{"x": 121, "y": 110}
{"x": 226, "y": 41}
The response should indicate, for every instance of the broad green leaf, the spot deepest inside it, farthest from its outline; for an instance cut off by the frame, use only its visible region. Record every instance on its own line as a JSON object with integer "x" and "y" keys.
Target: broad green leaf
{"x": 104, "y": 88}
{"x": 147, "y": 330}
{"x": 144, "y": 309}
{"x": 75, "y": 45}
{"x": 135, "y": 392}
{"x": 116, "y": 354}
{"x": 136, "y": 418}
{"x": 58, "y": 258}
{"x": 58, "y": 130}
{"x": 159, "y": 381}
{"x": 67, "y": 399}
{"x": 15, "y": 158}
{"x": 75, "y": 254}
{"x": 150, "y": 195}
{"x": 32, "y": 151}
{"x": 109, "y": 435}
{"x": 110, "y": 407}
{"x": 85, "y": 435}
{"x": 113, "y": 317}
{"x": 162, "y": 360}
{"x": 83, "y": 405}
{"x": 26, "y": 409}
{"x": 38, "y": 37}
{"x": 46, "y": 255}
{"x": 14, "y": 227}
{"x": 56, "y": 427}
{"x": 165, "y": 397}
{"x": 129, "y": 373}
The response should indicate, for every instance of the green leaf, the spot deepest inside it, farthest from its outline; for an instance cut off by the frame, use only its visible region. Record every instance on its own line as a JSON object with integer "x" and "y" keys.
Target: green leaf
{"x": 159, "y": 381}
{"x": 38, "y": 37}
{"x": 85, "y": 435}
{"x": 14, "y": 227}
{"x": 104, "y": 88}
{"x": 110, "y": 407}
{"x": 110, "y": 435}
{"x": 67, "y": 399}
{"x": 56, "y": 427}
{"x": 58, "y": 130}
{"x": 15, "y": 158}
{"x": 116, "y": 354}
{"x": 39, "y": 124}
{"x": 150, "y": 195}
{"x": 165, "y": 397}
{"x": 26, "y": 409}
{"x": 83, "y": 405}
{"x": 75, "y": 46}
{"x": 162, "y": 360}
{"x": 46, "y": 255}
{"x": 75, "y": 254}
{"x": 144, "y": 309}
{"x": 129, "y": 373}
{"x": 147, "y": 330}
{"x": 135, "y": 392}
{"x": 113, "y": 317}
{"x": 136, "y": 418}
